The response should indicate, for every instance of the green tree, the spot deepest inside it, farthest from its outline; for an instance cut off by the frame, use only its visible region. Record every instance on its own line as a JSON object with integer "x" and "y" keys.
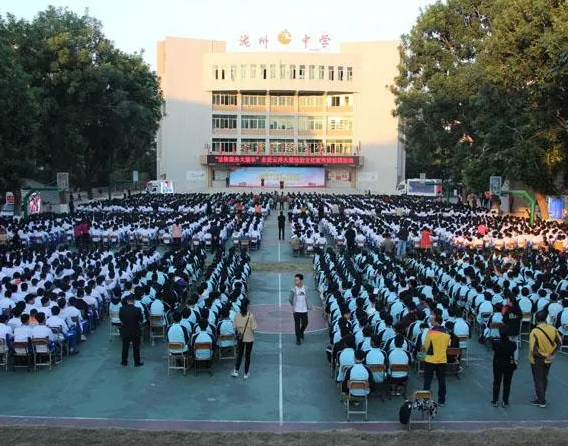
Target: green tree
{"x": 18, "y": 116}
{"x": 101, "y": 108}
{"x": 482, "y": 87}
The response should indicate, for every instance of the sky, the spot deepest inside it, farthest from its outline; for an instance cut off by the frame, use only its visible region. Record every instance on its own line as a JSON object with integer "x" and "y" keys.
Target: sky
{"x": 135, "y": 25}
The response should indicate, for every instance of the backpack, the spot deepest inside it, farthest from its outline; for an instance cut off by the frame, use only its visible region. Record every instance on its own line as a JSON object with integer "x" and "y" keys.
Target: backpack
{"x": 404, "y": 412}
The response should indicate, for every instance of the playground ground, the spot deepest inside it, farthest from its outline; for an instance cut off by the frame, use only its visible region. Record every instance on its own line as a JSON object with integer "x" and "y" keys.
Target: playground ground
{"x": 290, "y": 389}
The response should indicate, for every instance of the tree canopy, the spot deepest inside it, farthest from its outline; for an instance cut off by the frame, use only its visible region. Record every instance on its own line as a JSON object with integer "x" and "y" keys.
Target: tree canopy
{"x": 84, "y": 106}
{"x": 481, "y": 91}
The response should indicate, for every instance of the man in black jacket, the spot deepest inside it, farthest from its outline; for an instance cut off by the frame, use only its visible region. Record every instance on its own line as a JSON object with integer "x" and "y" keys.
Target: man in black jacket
{"x": 130, "y": 319}
{"x": 281, "y": 225}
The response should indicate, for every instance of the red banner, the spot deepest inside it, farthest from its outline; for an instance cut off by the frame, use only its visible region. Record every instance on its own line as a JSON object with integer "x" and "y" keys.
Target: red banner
{"x": 248, "y": 160}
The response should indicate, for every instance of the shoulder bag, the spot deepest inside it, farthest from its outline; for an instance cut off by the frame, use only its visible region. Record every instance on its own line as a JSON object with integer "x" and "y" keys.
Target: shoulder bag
{"x": 239, "y": 336}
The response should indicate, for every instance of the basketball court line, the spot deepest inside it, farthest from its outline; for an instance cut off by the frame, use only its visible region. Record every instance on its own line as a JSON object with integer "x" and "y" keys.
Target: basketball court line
{"x": 280, "y": 362}
{"x": 261, "y": 425}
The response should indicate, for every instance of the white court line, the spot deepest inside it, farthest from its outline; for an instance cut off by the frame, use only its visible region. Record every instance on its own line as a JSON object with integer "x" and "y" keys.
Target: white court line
{"x": 280, "y": 383}
{"x": 181, "y": 420}
{"x": 278, "y": 250}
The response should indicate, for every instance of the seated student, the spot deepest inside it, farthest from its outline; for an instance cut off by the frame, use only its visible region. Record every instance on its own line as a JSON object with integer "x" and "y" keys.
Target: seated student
{"x": 202, "y": 336}
{"x": 346, "y": 358}
{"x": 365, "y": 343}
{"x": 55, "y": 321}
{"x": 388, "y": 331}
{"x": 178, "y": 333}
{"x": 157, "y": 308}
{"x": 6, "y": 331}
{"x": 376, "y": 356}
{"x": 23, "y": 333}
{"x": 225, "y": 328}
{"x": 390, "y": 345}
{"x": 398, "y": 356}
{"x": 358, "y": 372}
{"x": 454, "y": 343}
{"x": 496, "y": 318}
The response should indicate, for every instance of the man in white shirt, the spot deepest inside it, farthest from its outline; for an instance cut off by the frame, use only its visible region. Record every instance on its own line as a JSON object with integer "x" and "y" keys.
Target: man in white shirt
{"x": 6, "y": 331}
{"x": 300, "y": 305}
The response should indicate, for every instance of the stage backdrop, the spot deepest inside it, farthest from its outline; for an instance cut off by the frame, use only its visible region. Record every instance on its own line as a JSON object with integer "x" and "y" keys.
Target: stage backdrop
{"x": 292, "y": 176}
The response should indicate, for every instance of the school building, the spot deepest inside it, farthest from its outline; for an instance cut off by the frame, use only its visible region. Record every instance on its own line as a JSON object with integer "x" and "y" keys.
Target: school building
{"x": 311, "y": 119}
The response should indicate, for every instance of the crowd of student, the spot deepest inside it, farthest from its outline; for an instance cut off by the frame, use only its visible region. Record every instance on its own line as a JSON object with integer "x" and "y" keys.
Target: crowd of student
{"x": 389, "y": 306}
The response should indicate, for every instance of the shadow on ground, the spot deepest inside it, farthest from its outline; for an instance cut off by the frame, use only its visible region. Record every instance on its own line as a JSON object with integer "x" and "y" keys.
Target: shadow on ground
{"x": 494, "y": 437}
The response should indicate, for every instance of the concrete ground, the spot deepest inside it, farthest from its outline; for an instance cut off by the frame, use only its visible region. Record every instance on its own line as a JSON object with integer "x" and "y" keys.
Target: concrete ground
{"x": 290, "y": 387}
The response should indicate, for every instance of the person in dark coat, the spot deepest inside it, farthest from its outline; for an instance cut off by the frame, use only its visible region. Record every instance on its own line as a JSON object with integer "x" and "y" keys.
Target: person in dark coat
{"x": 281, "y": 225}
{"x": 503, "y": 366}
{"x": 130, "y": 319}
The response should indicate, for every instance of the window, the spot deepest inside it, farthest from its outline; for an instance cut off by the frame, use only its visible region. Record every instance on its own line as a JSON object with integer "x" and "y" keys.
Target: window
{"x": 302, "y": 71}
{"x": 334, "y": 101}
{"x": 263, "y": 72}
{"x": 343, "y": 123}
{"x": 331, "y": 72}
{"x": 254, "y": 145}
{"x": 312, "y": 72}
{"x": 307, "y": 123}
{"x": 283, "y": 101}
{"x": 253, "y": 100}
{"x": 339, "y": 147}
{"x": 346, "y": 101}
{"x": 321, "y": 74}
{"x": 349, "y": 73}
{"x": 253, "y": 122}
{"x": 282, "y": 123}
{"x": 282, "y": 71}
{"x": 339, "y": 73}
{"x": 233, "y": 72}
{"x": 243, "y": 71}
{"x": 224, "y": 121}
{"x": 310, "y": 101}
{"x": 216, "y": 72}
{"x": 223, "y": 73}
{"x": 224, "y": 99}
{"x": 309, "y": 145}
{"x": 292, "y": 71}
{"x": 272, "y": 71}
{"x": 281, "y": 145}
{"x": 224, "y": 145}
{"x": 253, "y": 71}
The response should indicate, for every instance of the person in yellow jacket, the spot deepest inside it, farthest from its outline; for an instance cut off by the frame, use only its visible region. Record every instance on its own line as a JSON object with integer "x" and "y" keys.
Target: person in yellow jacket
{"x": 435, "y": 349}
{"x": 544, "y": 342}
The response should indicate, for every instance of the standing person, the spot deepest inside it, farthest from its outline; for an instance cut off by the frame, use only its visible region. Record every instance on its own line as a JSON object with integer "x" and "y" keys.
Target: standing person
{"x": 504, "y": 366}
{"x": 176, "y": 234}
{"x": 300, "y": 305}
{"x": 130, "y": 320}
{"x": 544, "y": 342}
{"x": 350, "y": 235}
{"x": 245, "y": 325}
{"x": 281, "y": 225}
{"x": 436, "y": 348}
{"x": 402, "y": 236}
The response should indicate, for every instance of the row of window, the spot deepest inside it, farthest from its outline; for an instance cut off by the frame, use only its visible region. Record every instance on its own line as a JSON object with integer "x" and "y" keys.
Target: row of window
{"x": 282, "y": 122}
{"x": 314, "y": 146}
{"x": 282, "y": 71}
{"x": 283, "y": 101}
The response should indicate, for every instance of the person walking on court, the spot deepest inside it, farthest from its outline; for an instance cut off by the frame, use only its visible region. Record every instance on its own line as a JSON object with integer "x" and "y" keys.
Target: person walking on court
{"x": 503, "y": 366}
{"x": 544, "y": 342}
{"x": 300, "y": 305}
{"x": 436, "y": 348}
{"x": 130, "y": 320}
{"x": 281, "y": 225}
{"x": 245, "y": 325}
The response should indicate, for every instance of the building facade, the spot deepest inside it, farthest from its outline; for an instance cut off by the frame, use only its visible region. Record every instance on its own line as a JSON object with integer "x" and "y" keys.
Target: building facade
{"x": 224, "y": 111}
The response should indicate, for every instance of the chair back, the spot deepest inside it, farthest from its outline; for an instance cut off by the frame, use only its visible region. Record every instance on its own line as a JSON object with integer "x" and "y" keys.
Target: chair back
{"x": 20, "y": 348}
{"x": 175, "y": 348}
{"x": 422, "y": 394}
{"x": 40, "y": 345}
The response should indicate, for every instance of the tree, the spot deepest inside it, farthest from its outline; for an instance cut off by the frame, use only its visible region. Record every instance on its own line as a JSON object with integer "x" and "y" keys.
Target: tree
{"x": 491, "y": 74}
{"x": 101, "y": 108}
{"x": 18, "y": 116}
